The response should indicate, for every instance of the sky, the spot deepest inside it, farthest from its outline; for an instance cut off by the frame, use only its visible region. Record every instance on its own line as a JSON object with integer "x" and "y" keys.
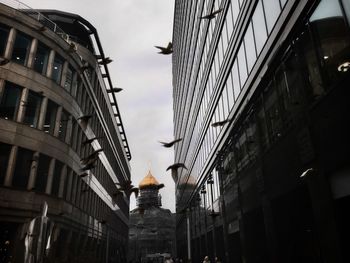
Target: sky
{"x": 128, "y": 31}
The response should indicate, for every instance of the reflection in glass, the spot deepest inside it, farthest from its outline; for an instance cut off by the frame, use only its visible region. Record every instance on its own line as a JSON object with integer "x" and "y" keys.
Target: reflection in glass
{"x": 250, "y": 47}
{"x": 57, "y": 68}
{"x": 63, "y": 125}
{"x": 243, "y": 73}
{"x": 22, "y": 169}
{"x": 32, "y": 109}
{"x": 4, "y": 33}
{"x": 50, "y": 118}
{"x": 272, "y": 11}
{"x": 9, "y": 101}
{"x": 41, "y": 58}
{"x": 21, "y": 48}
{"x": 69, "y": 79}
{"x": 259, "y": 27}
{"x": 4, "y": 158}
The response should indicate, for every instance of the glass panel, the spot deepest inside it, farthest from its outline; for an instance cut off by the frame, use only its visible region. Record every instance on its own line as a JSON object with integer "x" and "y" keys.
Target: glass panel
{"x": 4, "y": 33}
{"x": 41, "y": 58}
{"x": 32, "y": 109}
{"x": 243, "y": 74}
{"x": 283, "y": 2}
{"x": 63, "y": 125}
{"x": 57, "y": 68}
{"x": 10, "y": 101}
{"x": 236, "y": 82}
{"x": 75, "y": 84}
{"x": 22, "y": 168}
{"x": 42, "y": 172}
{"x": 231, "y": 98}
{"x": 272, "y": 11}
{"x": 229, "y": 22}
{"x": 333, "y": 37}
{"x": 69, "y": 78}
{"x": 50, "y": 118}
{"x": 4, "y": 158}
{"x": 56, "y": 178}
{"x": 235, "y": 10}
{"x": 259, "y": 27}
{"x": 250, "y": 47}
{"x": 346, "y": 5}
{"x": 21, "y": 48}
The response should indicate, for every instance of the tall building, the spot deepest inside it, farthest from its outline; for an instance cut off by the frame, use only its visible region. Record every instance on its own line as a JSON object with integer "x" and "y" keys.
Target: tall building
{"x": 62, "y": 142}
{"x": 152, "y": 228}
{"x": 260, "y": 93}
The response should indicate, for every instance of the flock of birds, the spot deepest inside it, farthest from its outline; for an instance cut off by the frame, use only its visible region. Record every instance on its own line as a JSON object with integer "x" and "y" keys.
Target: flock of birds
{"x": 127, "y": 187}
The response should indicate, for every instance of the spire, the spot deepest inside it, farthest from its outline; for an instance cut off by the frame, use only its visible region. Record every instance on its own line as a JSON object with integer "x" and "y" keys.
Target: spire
{"x": 148, "y": 180}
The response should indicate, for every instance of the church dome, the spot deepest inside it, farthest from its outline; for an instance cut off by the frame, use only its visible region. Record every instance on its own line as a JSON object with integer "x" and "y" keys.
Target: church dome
{"x": 149, "y": 180}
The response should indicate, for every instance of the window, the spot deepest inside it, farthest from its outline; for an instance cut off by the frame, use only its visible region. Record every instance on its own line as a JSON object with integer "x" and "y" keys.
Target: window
{"x": 250, "y": 47}
{"x": 9, "y": 101}
{"x": 5, "y": 150}
{"x": 42, "y": 173}
{"x": 21, "y": 48}
{"x": 259, "y": 26}
{"x": 236, "y": 82}
{"x": 41, "y": 58}
{"x": 65, "y": 118}
{"x": 69, "y": 78}
{"x": 23, "y": 167}
{"x": 50, "y": 118}
{"x": 242, "y": 64}
{"x": 4, "y": 33}
{"x": 333, "y": 39}
{"x": 32, "y": 109}
{"x": 56, "y": 178}
{"x": 57, "y": 68}
{"x": 272, "y": 11}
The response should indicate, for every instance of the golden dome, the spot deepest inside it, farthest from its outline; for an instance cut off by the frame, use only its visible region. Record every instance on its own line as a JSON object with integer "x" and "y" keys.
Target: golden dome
{"x": 149, "y": 180}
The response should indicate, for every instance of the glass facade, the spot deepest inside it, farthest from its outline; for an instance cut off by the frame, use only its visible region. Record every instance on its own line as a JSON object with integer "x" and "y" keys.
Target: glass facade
{"x": 41, "y": 58}
{"x": 21, "y": 48}
{"x": 256, "y": 90}
{"x": 9, "y": 102}
{"x": 4, "y": 32}
{"x": 32, "y": 109}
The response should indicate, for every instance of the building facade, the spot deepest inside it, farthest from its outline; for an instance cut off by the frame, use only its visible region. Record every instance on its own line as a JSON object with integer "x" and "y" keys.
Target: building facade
{"x": 261, "y": 100}
{"x": 152, "y": 228}
{"x": 62, "y": 142}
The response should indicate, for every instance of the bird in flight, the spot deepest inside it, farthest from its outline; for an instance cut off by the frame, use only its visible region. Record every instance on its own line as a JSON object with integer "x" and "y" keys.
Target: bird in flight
{"x": 176, "y": 166}
{"x": 166, "y": 50}
{"x": 169, "y": 144}
{"x": 128, "y": 188}
{"x": 212, "y": 14}
{"x": 220, "y": 123}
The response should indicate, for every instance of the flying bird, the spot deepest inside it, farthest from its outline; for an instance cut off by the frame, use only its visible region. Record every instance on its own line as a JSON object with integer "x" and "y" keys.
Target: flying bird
{"x": 212, "y": 14}
{"x": 88, "y": 141}
{"x": 85, "y": 118}
{"x": 220, "y": 123}
{"x": 169, "y": 144}
{"x": 128, "y": 188}
{"x": 105, "y": 61}
{"x": 116, "y": 90}
{"x": 176, "y": 166}
{"x": 166, "y": 50}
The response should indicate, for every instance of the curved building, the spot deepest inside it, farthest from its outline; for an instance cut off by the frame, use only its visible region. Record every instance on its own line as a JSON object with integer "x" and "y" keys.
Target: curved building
{"x": 260, "y": 94}
{"x": 62, "y": 142}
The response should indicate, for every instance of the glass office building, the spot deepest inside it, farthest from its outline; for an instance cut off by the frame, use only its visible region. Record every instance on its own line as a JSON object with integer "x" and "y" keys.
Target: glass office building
{"x": 62, "y": 142}
{"x": 260, "y": 93}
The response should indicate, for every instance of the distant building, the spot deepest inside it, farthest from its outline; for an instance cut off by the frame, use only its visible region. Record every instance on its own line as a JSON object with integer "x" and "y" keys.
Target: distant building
{"x": 261, "y": 102}
{"x": 151, "y": 228}
{"x": 62, "y": 141}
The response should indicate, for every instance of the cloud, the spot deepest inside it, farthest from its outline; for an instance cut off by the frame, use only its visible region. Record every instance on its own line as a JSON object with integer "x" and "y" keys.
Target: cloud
{"x": 129, "y": 30}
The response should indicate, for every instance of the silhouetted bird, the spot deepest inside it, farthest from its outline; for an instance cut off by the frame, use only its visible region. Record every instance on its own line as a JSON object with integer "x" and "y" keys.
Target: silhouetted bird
{"x": 212, "y": 14}
{"x": 88, "y": 167}
{"x": 169, "y": 144}
{"x": 166, "y": 50}
{"x": 220, "y": 123}
{"x": 128, "y": 188}
{"x": 115, "y": 90}
{"x": 84, "y": 67}
{"x": 105, "y": 61}
{"x": 160, "y": 186}
{"x": 83, "y": 175}
{"x": 176, "y": 166}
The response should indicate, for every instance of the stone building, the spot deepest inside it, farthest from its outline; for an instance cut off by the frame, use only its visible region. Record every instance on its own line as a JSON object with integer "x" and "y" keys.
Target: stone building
{"x": 62, "y": 141}
{"x": 151, "y": 228}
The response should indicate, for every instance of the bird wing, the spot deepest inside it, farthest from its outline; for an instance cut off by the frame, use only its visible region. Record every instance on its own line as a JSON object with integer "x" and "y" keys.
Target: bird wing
{"x": 161, "y": 48}
{"x": 205, "y": 17}
{"x": 170, "y": 46}
{"x": 217, "y": 11}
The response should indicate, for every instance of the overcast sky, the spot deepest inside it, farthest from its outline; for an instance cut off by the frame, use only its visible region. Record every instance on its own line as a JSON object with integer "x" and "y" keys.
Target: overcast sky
{"x": 128, "y": 31}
